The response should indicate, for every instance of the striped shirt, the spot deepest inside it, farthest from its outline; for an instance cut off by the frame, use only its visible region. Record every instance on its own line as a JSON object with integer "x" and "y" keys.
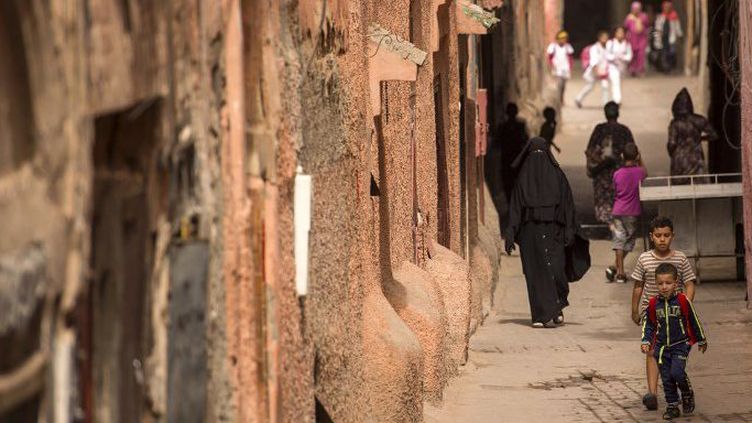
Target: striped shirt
{"x": 645, "y": 271}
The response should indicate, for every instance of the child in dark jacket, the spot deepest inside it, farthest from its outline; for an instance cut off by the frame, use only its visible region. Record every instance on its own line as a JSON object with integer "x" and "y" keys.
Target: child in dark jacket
{"x": 669, "y": 329}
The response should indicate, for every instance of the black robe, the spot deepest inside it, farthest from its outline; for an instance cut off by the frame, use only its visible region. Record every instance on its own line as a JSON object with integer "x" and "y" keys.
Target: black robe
{"x": 542, "y": 222}
{"x": 512, "y": 138}
{"x": 685, "y": 134}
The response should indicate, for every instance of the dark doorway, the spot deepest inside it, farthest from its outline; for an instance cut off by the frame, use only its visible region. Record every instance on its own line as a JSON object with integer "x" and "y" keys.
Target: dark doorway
{"x": 584, "y": 18}
{"x": 724, "y": 155}
{"x": 16, "y": 117}
{"x": 113, "y": 328}
{"x": 442, "y": 208}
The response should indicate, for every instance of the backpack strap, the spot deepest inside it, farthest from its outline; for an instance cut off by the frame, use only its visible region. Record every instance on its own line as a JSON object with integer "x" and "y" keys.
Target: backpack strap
{"x": 684, "y": 306}
{"x": 651, "y": 310}
{"x": 653, "y": 319}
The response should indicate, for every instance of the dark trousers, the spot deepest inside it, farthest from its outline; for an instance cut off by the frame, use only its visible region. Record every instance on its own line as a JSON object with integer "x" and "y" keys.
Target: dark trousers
{"x": 673, "y": 364}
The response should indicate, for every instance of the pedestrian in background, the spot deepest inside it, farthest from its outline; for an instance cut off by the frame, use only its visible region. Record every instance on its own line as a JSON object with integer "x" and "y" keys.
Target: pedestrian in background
{"x": 542, "y": 222}
{"x": 645, "y": 288}
{"x": 637, "y": 28}
{"x": 597, "y": 64}
{"x": 560, "y": 54}
{"x": 603, "y": 157}
{"x": 512, "y": 136}
{"x": 668, "y": 32}
{"x": 685, "y": 134}
{"x": 548, "y": 128}
{"x": 620, "y": 52}
{"x": 627, "y": 209}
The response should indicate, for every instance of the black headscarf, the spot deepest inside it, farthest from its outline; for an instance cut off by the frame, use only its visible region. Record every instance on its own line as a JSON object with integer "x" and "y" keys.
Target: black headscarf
{"x": 682, "y": 105}
{"x": 542, "y": 192}
{"x": 539, "y": 180}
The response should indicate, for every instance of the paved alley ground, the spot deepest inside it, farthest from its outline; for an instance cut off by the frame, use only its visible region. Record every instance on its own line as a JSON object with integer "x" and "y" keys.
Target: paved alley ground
{"x": 591, "y": 369}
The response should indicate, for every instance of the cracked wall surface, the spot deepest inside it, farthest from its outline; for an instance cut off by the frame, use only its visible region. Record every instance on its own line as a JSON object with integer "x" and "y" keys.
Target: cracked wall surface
{"x": 153, "y": 176}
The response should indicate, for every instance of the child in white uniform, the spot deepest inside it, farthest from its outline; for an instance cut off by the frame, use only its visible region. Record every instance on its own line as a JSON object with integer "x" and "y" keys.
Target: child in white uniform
{"x": 599, "y": 68}
{"x": 620, "y": 51}
{"x": 560, "y": 60}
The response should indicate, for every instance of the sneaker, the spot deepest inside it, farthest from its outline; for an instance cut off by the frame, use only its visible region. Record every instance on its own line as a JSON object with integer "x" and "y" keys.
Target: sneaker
{"x": 538, "y": 325}
{"x": 672, "y": 412}
{"x": 688, "y": 402}
{"x": 621, "y": 279}
{"x": 610, "y": 273}
{"x": 559, "y": 320}
{"x": 650, "y": 401}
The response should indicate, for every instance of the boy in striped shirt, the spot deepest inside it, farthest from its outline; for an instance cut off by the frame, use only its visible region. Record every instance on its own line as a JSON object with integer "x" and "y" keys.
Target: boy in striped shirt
{"x": 661, "y": 233}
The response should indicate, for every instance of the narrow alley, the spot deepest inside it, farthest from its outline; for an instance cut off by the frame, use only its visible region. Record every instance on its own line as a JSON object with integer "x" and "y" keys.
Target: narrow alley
{"x": 263, "y": 211}
{"x": 591, "y": 369}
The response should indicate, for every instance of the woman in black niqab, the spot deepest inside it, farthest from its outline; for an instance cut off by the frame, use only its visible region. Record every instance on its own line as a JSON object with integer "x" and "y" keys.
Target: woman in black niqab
{"x": 542, "y": 223}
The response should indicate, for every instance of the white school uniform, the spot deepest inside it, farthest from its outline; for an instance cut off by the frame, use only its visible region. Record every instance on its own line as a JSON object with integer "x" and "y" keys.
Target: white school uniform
{"x": 561, "y": 65}
{"x": 601, "y": 62}
{"x": 621, "y": 54}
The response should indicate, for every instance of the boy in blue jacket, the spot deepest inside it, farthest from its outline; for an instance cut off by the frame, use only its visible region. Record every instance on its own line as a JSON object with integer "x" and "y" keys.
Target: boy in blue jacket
{"x": 669, "y": 329}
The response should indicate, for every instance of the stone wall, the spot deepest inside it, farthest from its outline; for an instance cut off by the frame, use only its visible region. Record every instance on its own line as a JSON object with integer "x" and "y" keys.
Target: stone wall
{"x": 147, "y": 184}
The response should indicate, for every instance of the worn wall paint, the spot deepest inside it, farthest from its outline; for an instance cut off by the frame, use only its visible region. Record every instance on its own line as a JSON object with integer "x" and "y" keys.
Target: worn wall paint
{"x": 745, "y": 45}
{"x": 245, "y": 100}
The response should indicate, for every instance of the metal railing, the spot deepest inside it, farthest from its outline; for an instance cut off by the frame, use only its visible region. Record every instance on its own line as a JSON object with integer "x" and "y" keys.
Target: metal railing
{"x": 714, "y": 177}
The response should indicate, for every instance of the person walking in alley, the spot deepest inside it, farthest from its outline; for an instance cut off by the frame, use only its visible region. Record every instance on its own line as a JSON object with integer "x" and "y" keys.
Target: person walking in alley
{"x": 548, "y": 128}
{"x": 620, "y": 51}
{"x": 668, "y": 32}
{"x": 512, "y": 136}
{"x": 627, "y": 207}
{"x": 542, "y": 223}
{"x": 597, "y": 63}
{"x": 670, "y": 328}
{"x": 603, "y": 156}
{"x": 686, "y": 132}
{"x": 560, "y": 54}
{"x": 645, "y": 288}
{"x": 637, "y": 29}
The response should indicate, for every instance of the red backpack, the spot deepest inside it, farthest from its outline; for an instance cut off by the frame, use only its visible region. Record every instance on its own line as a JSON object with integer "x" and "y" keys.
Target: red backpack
{"x": 683, "y": 305}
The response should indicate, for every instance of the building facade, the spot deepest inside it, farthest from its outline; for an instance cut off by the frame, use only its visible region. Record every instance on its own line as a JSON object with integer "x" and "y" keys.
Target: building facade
{"x": 156, "y": 158}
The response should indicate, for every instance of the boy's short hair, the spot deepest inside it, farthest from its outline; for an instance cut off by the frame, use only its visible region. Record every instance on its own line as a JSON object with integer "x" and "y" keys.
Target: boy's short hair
{"x": 562, "y": 35}
{"x": 512, "y": 109}
{"x": 661, "y": 222}
{"x": 601, "y": 33}
{"x": 630, "y": 151}
{"x": 667, "y": 269}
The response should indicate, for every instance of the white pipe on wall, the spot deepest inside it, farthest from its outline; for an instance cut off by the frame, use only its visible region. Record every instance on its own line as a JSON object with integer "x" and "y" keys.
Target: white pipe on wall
{"x": 302, "y": 214}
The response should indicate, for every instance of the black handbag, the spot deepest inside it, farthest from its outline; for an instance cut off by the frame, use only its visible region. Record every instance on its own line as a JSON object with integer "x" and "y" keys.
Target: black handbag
{"x": 577, "y": 258}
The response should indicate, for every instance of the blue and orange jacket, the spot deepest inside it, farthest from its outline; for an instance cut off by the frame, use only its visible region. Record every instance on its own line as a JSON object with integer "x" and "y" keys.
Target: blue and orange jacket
{"x": 671, "y": 321}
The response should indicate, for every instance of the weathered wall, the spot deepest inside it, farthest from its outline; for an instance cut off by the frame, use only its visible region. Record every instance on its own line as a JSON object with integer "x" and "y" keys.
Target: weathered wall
{"x": 745, "y": 46}
{"x": 158, "y": 146}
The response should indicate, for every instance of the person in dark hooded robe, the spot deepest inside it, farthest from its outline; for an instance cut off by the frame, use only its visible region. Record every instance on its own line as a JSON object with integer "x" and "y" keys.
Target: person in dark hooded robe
{"x": 542, "y": 222}
{"x": 603, "y": 157}
{"x": 512, "y": 137}
{"x": 685, "y": 134}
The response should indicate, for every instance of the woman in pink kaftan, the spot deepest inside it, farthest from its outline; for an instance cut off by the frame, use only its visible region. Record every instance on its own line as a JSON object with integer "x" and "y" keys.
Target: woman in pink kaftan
{"x": 637, "y": 26}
